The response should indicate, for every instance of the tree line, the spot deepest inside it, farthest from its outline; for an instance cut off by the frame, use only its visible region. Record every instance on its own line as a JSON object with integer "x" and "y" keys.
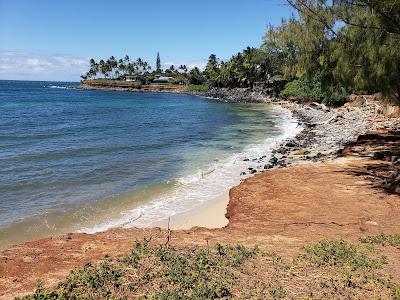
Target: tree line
{"x": 113, "y": 68}
{"x": 333, "y": 48}
{"x": 325, "y": 51}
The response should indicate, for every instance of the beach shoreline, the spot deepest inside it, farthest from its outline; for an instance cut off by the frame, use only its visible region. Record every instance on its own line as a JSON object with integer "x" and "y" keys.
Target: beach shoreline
{"x": 259, "y": 211}
{"x": 237, "y": 166}
{"x": 210, "y": 214}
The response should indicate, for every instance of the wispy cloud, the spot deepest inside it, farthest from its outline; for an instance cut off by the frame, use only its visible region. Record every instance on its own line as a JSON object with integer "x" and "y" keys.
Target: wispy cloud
{"x": 30, "y": 66}
{"x": 57, "y": 67}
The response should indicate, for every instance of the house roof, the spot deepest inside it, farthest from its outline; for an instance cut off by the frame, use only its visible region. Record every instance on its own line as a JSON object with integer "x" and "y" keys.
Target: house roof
{"x": 163, "y": 78}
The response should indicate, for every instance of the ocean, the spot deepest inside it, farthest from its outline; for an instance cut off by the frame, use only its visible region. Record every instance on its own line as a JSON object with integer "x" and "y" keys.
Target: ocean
{"x": 80, "y": 160}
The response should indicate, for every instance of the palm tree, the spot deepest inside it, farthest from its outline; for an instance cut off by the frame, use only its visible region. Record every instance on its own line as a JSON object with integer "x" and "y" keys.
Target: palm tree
{"x": 112, "y": 64}
{"x": 94, "y": 68}
{"x": 103, "y": 68}
{"x": 145, "y": 66}
{"x": 121, "y": 67}
{"x": 139, "y": 65}
{"x": 126, "y": 60}
{"x": 131, "y": 68}
{"x": 183, "y": 68}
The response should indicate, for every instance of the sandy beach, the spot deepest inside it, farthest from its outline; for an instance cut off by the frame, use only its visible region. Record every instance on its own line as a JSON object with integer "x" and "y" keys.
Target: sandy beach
{"x": 208, "y": 215}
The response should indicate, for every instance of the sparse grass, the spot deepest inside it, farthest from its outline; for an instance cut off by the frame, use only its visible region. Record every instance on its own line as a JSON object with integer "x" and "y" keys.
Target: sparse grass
{"x": 327, "y": 270}
{"x": 155, "y": 273}
{"x": 341, "y": 254}
{"x": 383, "y": 239}
{"x": 197, "y": 88}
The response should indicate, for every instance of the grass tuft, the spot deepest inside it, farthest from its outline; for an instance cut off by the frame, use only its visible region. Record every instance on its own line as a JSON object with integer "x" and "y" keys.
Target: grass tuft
{"x": 382, "y": 239}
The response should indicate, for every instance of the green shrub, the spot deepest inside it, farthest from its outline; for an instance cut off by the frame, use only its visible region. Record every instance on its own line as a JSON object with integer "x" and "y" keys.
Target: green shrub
{"x": 312, "y": 90}
{"x": 295, "y": 88}
{"x": 382, "y": 239}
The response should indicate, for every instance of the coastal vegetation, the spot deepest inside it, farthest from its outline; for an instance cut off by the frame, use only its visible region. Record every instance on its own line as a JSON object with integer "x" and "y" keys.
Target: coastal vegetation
{"x": 327, "y": 269}
{"x": 325, "y": 52}
{"x": 139, "y": 70}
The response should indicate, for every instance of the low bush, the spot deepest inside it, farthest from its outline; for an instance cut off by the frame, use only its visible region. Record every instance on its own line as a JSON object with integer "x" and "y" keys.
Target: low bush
{"x": 383, "y": 239}
{"x": 312, "y": 90}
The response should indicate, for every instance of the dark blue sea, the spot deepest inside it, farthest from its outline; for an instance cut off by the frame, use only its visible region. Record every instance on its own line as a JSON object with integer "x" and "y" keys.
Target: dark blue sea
{"x": 79, "y": 160}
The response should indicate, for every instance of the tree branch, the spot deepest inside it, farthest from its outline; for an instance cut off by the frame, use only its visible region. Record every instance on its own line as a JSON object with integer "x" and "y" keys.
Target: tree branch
{"x": 315, "y": 16}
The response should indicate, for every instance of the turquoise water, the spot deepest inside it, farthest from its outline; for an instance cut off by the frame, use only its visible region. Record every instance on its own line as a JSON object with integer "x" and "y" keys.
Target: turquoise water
{"x": 89, "y": 160}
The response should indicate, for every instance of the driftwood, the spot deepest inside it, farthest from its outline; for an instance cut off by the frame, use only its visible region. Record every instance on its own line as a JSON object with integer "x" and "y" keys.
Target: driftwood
{"x": 393, "y": 182}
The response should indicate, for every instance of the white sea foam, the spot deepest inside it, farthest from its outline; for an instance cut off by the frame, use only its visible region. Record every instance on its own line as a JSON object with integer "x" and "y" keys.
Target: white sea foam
{"x": 205, "y": 185}
{"x": 56, "y": 87}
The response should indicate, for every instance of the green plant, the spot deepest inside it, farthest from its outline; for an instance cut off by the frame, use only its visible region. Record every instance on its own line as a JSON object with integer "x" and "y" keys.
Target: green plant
{"x": 197, "y": 88}
{"x": 327, "y": 269}
{"x": 341, "y": 254}
{"x": 313, "y": 90}
{"x": 383, "y": 239}
{"x": 156, "y": 273}
{"x": 278, "y": 292}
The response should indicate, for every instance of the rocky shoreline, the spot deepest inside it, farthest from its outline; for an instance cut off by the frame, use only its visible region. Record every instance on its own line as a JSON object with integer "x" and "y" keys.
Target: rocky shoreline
{"x": 233, "y": 95}
{"x": 237, "y": 95}
{"x": 326, "y": 132}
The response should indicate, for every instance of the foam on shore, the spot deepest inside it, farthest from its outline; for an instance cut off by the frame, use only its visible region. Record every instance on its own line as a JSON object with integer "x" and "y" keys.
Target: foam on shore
{"x": 204, "y": 187}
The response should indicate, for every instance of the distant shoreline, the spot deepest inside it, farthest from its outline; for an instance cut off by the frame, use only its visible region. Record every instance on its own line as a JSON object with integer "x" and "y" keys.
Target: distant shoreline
{"x": 227, "y": 95}
{"x": 128, "y": 87}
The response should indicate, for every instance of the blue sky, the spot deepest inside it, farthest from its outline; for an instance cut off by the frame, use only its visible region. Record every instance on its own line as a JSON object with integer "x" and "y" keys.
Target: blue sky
{"x": 44, "y": 40}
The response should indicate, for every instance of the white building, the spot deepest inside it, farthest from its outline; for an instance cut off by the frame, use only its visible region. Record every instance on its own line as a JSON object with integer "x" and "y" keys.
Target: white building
{"x": 163, "y": 79}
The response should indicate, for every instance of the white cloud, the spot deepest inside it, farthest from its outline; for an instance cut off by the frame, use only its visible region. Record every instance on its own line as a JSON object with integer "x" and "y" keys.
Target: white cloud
{"x": 30, "y": 66}
{"x": 58, "y": 67}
